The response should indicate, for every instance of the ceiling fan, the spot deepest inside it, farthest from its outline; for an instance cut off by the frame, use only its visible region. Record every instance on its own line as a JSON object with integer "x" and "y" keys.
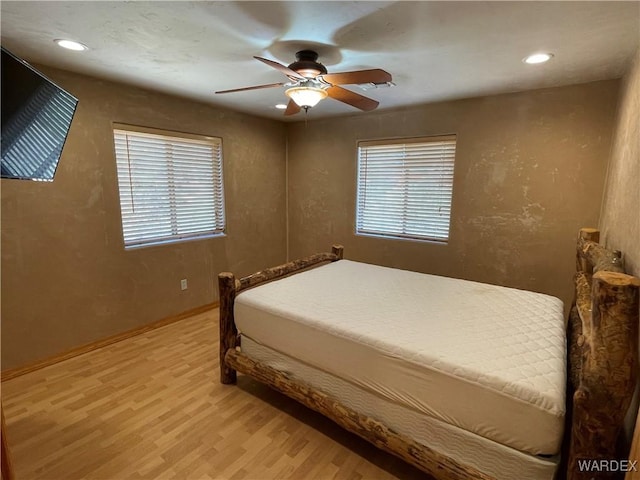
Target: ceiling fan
{"x": 309, "y": 83}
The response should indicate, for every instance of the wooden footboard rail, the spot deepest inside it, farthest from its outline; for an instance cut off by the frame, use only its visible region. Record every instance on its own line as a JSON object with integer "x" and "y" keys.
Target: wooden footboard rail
{"x": 603, "y": 353}
{"x": 418, "y": 455}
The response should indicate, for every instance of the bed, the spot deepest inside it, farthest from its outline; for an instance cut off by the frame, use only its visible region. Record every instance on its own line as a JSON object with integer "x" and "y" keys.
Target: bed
{"x": 461, "y": 379}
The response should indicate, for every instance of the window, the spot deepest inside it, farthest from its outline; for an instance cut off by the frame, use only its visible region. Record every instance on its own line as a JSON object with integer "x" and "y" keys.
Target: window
{"x": 405, "y": 187}
{"x": 170, "y": 185}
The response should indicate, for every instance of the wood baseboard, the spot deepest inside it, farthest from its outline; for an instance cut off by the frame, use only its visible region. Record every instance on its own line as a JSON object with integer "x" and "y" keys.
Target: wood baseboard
{"x": 16, "y": 372}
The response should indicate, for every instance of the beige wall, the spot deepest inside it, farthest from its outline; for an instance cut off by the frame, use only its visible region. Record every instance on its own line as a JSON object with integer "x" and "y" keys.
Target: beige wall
{"x": 620, "y": 220}
{"x": 529, "y": 170}
{"x": 529, "y": 173}
{"x": 620, "y": 217}
{"x": 66, "y": 279}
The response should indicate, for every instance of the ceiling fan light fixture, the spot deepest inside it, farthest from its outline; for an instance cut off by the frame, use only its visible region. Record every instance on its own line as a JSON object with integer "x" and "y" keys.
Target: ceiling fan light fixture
{"x": 306, "y": 97}
{"x": 309, "y": 83}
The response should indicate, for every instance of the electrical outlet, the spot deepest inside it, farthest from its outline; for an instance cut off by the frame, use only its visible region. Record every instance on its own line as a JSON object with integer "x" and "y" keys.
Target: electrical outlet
{"x": 183, "y": 284}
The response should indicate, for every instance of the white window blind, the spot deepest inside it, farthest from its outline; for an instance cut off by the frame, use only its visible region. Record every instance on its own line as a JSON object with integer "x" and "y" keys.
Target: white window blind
{"x": 405, "y": 188}
{"x": 170, "y": 186}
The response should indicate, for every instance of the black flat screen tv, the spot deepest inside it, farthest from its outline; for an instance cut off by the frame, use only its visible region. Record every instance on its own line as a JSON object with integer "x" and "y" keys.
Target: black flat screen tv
{"x": 36, "y": 116}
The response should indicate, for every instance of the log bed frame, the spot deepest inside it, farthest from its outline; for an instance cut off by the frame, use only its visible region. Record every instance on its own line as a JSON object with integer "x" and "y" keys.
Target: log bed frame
{"x": 602, "y": 353}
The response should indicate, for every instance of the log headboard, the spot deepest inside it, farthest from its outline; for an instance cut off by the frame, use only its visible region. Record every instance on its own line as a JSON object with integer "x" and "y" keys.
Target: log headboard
{"x": 603, "y": 352}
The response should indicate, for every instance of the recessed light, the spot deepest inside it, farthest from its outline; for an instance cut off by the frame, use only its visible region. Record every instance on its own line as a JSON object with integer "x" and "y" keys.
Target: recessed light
{"x": 281, "y": 106}
{"x": 538, "y": 58}
{"x": 71, "y": 45}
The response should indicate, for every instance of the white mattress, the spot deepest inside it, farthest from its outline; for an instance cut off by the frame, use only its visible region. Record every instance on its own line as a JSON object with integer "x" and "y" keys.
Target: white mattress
{"x": 487, "y": 359}
{"x": 493, "y": 459}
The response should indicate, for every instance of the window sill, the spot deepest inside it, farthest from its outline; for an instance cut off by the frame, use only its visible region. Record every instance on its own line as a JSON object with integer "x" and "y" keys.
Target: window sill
{"x": 173, "y": 241}
{"x": 404, "y": 239}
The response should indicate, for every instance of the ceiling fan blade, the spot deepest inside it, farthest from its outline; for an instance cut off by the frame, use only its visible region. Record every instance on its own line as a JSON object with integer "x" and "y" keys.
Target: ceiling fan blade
{"x": 360, "y": 76}
{"x": 257, "y": 87}
{"x": 292, "y": 108}
{"x": 278, "y": 66}
{"x": 352, "y": 98}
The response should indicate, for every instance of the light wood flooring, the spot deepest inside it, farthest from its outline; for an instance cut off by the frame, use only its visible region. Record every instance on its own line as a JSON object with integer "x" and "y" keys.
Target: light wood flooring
{"x": 152, "y": 407}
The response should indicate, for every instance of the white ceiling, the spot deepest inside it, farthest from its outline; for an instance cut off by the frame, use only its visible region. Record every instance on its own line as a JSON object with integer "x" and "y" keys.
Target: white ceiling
{"x": 434, "y": 50}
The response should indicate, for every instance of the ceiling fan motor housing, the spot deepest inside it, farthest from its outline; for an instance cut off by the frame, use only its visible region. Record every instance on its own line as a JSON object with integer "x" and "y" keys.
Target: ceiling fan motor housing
{"x": 306, "y": 64}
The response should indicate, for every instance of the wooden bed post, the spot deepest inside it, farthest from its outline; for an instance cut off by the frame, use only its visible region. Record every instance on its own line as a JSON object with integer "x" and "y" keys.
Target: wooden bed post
{"x": 586, "y": 234}
{"x": 593, "y": 257}
{"x": 338, "y": 251}
{"x": 228, "y": 331}
{"x": 604, "y": 360}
